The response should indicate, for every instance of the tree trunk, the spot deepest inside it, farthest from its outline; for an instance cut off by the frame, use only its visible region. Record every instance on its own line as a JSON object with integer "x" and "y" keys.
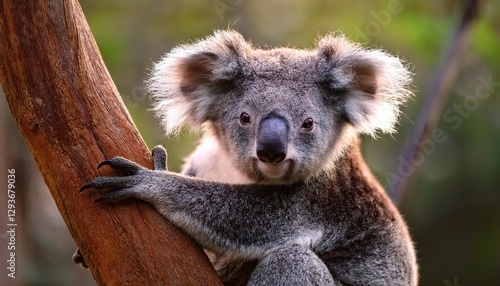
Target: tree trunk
{"x": 71, "y": 116}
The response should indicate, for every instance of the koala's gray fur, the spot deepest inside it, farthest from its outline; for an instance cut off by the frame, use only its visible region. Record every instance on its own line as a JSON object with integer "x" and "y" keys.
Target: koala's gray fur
{"x": 282, "y": 195}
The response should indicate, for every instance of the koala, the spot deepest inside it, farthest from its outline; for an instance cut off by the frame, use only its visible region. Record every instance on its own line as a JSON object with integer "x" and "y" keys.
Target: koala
{"x": 277, "y": 192}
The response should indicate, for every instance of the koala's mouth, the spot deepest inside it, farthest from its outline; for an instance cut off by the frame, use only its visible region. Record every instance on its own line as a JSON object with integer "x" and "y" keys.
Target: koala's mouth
{"x": 274, "y": 170}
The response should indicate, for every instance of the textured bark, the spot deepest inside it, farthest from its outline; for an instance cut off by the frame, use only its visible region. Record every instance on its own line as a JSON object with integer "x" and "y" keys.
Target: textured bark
{"x": 71, "y": 117}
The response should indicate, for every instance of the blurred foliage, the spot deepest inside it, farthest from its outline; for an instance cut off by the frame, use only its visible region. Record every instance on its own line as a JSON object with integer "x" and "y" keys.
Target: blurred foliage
{"x": 452, "y": 207}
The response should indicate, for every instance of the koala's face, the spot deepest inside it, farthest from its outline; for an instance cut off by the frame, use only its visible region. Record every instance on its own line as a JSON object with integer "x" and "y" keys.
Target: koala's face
{"x": 277, "y": 129}
{"x": 281, "y": 114}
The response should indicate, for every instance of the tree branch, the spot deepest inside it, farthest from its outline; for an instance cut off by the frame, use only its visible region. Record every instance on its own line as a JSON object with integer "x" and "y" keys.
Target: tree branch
{"x": 437, "y": 94}
{"x": 71, "y": 117}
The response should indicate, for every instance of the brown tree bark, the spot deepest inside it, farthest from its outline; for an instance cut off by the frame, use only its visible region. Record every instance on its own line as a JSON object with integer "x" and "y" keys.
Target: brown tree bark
{"x": 71, "y": 117}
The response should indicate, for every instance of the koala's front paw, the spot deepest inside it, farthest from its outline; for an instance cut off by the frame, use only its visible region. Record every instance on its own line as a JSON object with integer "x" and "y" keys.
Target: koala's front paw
{"x": 120, "y": 187}
{"x": 79, "y": 260}
{"x": 135, "y": 184}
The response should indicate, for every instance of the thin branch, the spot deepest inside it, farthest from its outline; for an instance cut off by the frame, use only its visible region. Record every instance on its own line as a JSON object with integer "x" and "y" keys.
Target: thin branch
{"x": 437, "y": 94}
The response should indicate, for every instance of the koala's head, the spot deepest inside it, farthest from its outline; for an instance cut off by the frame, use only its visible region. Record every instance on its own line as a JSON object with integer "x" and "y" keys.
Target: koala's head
{"x": 281, "y": 114}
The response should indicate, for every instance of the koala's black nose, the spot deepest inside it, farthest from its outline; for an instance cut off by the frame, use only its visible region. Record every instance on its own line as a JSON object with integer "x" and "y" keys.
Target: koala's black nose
{"x": 272, "y": 141}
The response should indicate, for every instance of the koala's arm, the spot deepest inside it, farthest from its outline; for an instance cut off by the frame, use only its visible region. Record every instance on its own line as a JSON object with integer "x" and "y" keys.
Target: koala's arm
{"x": 240, "y": 220}
{"x": 284, "y": 226}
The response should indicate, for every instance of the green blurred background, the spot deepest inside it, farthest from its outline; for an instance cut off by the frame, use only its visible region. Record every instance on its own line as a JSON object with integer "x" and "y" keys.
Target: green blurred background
{"x": 453, "y": 204}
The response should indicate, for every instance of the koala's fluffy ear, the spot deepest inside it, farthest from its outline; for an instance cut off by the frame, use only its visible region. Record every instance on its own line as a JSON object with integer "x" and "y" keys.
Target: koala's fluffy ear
{"x": 374, "y": 83}
{"x": 185, "y": 83}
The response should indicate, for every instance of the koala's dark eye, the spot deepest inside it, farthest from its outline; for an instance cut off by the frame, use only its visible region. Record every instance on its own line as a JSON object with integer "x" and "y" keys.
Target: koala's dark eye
{"x": 308, "y": 124}
{"x": 244, "y": 118}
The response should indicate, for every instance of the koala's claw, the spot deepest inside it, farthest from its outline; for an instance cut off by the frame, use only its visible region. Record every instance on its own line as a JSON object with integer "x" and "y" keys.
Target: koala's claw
{"x": 100, "y": 183}
{"x": 121, "y": 164}
{"x": 119, "y": 187}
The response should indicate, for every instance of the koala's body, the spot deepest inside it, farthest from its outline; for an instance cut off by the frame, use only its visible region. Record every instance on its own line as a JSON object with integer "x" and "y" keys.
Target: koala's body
{"x": 278, "y": 191}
